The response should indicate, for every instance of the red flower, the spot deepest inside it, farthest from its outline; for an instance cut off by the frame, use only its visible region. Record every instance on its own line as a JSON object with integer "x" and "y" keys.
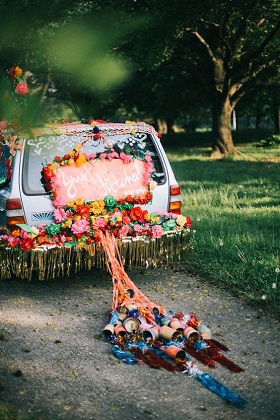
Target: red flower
{"x": 126, "y": 220}
{"x": 26, "y": 244}
{"x": 136, "y": 214}
{"x": 129, "y": 199}
{"x": 83, "y": 210}
{"x": 57, "y": 159}
{"x": 188, "y": 222}
{"x": 47, "y": 173}
{"x": 96, "y": 237}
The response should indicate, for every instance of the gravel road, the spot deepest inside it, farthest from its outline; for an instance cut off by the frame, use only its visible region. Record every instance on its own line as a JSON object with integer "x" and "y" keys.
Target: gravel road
{"x": 55, "y": 363}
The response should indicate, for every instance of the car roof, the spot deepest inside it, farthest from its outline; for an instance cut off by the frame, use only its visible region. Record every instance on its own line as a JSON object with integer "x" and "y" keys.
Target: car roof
{"x": 107, "y": 128}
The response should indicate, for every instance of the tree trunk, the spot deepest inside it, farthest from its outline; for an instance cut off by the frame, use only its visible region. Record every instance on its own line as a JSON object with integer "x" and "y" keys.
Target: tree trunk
{"x": 170, "y": 126}
{"x": 276, "y": 112}
{"x": 221, "y": 127}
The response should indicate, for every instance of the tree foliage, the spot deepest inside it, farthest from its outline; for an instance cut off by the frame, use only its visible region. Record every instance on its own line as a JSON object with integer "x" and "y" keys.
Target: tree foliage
{"x": 225, "y": 47}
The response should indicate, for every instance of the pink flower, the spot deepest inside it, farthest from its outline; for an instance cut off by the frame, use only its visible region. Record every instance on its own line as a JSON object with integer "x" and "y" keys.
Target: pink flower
{"x": 63, "y": 238}
{"x": 21, "y": 89}
{"x": 149, "y": 167}
{"x": 148, "y": 158}
{"x": 101, "y": 222}
{"x": 125, "y": 158}
{"x": 123, "y": 231}
{"x": 157, "y": 231}
{"x": 23, "y": 234}
{"x": 80, "y": 226}
{"x": 59, "y": 215}
{"x": 113, "y": 155}
{"x": 12, "y": 242}
{"x": 137, "y": 228}
{"x": 91, "y": 156}
{"x": 60, "y": 202}
{"x": 102, "y": 156}
{"x": 163, "y": 213}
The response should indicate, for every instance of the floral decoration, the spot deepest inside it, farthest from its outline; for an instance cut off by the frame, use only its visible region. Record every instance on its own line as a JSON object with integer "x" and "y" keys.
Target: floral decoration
{"x": 18, "y": 81}
{"x": 80, "y": 223}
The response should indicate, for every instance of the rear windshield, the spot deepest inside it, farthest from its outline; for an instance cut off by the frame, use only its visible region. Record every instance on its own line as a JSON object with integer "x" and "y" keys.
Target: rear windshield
{"x": 41, "y": 151}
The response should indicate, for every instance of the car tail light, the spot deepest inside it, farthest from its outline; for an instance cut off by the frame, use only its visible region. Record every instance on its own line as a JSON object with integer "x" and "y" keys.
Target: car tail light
{"x": 175, "y": 199}
{"x": 14, "y": 213}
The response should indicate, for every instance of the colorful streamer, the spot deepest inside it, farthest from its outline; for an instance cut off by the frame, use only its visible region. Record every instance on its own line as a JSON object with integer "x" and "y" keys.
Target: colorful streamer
{"x": 157, "y": 338}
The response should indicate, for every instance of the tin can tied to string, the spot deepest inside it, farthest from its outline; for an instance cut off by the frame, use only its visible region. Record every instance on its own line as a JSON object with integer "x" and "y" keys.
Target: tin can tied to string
{"x": 192, "y": 335}
{"x": 204, "y": 331}
{"x": 175, "y": 352}
{"x": 122, "y": 311}
{"x": 131, "y": 324}
{"x": 169, "y": 333}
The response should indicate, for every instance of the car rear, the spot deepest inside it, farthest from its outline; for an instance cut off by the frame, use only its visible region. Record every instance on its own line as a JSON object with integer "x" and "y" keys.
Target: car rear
{"x": 24, "y": 200}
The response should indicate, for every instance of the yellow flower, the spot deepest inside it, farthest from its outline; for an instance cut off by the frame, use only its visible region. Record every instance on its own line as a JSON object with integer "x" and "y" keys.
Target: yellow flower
{"x": 81, "y": 160}
{"x": 71, "y": 204}
{"x": 78, "y": 147}
{"x": 51, "y": 166}
{"x": 147, "y": 217}
{"x": 81, "y": 244}
{"x": 155, "y": 219}
{"x": 96, "y": 207}
{"x": 181, "y": 220}
{"x": 67, "y": 222}
{"x": 72, "y": 153}
{"x": 79, "y": 201}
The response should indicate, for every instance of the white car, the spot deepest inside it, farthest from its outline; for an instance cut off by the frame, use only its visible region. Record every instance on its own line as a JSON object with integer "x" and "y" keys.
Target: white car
{"x": 64, "y": 183}
{"x": 23, "y": 199}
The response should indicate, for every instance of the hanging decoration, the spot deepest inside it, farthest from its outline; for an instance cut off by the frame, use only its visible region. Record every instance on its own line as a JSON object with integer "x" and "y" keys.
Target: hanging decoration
{"x": 142, "y": 331}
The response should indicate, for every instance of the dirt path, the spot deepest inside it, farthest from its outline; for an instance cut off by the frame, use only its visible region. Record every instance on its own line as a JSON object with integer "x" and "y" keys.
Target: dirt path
{"x": 55, "y": 365}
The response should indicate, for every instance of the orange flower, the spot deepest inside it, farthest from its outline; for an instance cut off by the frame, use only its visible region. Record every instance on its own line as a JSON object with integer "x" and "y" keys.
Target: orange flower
{"x": 15, "y": 72}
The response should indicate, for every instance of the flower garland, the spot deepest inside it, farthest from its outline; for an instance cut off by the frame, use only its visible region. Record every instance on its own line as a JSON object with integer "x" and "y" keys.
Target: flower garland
{"x": 80, "y": 222}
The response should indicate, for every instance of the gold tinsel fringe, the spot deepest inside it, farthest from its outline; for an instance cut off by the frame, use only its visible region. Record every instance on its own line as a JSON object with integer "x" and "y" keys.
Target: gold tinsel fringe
{"x": 51, "y": 262}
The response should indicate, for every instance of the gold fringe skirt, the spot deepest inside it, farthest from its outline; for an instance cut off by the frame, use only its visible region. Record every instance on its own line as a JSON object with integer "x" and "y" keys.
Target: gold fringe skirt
{"x": 52, "y": 262}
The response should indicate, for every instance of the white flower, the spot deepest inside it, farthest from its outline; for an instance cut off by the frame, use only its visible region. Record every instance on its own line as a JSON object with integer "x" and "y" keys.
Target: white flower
{"x": 277, "y": 270}
{"x": 263, "y": 297}
{"x": 274, "y": 285}
{"x": 198, "y": 219}
{"x": 221, "y": 243}
{"x": 153, "y": 185}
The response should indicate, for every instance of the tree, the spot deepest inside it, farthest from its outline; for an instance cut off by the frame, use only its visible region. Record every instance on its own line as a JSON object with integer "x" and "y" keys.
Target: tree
{"x": 234, "y": 45}
{"x": 61, "y": 48}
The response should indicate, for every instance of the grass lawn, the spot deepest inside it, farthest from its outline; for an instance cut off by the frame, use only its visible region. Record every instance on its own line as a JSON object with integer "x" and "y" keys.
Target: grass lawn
{"x": 235, "y": 208}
